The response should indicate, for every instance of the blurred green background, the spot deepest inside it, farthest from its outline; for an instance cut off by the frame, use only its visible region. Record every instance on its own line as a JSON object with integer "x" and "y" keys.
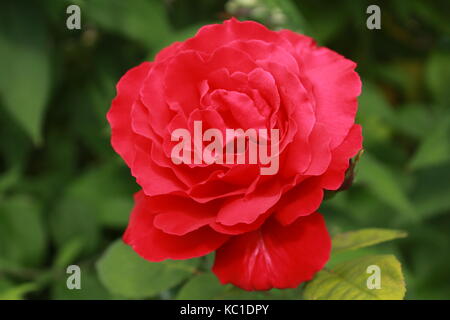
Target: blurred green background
{"x": 65, "y": 196}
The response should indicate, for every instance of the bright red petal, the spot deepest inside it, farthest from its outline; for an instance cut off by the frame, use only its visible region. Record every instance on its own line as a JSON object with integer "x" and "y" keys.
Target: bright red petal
{"x": 334, "y": 177}
{"x": 303, "y": 200}
{"x": 275, "y": 256}
{"x": 155, "y": 245}
{"x": 119, "y": 116}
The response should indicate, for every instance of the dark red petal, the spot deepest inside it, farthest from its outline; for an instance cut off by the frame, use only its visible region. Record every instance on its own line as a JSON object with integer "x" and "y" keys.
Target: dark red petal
{"x": 155, "y": 245}
{"x": 275, "y": 256}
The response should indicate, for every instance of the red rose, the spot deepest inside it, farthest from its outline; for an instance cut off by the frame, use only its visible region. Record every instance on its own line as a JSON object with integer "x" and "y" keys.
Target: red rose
{"x": 264, "y": 228}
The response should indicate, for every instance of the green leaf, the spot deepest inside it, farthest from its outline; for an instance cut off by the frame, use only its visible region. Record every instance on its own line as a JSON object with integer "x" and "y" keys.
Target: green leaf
{"x": 68, "y": 253}
{"x": 18, "y": 292}
{"x": 418, "y": 114}
{"x": 14, "y": 152}
{"x": 435, "y": 147}
{"x": 91, "y": 289}
{"x": 25, "y": 65}
{"x": 73, "y": 220}
{"x": 384, "y": 184}
{"x": 438, "y": 76}
{"x": 363, "y": 238}
{"x": 144, "y": 20}
{"x": 431, "y": 193}
{"x": 124, "y": 273}
{"x": 108, "y": 190}
{"x": 202, "y": 287}
{"x": 235, "y": 293}
{"x": 349, "y": 281}
{"x": 206, "y": 286}
{"x": 22, "y": 234}
{"x": 374, "y": 115}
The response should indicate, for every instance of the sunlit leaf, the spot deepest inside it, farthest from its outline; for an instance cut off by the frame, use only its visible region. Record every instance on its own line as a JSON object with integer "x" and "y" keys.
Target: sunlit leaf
{"x": 349, "y": 281}
{"x": 363, "y": 238}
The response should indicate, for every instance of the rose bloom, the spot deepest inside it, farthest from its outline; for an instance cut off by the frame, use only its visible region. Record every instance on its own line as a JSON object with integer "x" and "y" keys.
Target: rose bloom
{"x": 265, "y": 229}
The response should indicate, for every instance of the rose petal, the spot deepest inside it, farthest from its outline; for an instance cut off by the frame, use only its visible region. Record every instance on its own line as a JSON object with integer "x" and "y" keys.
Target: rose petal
{"x": 119, "y": 116}
{"x": 302, "y": 200}
{"x": 275, "y": 256}
{"x": 247, "y": 209}
{"x": 179, "y": 215}
{"x": 210, "y": 37}
{"x": 155, "y": 245}
{"x": 333, "y": 178}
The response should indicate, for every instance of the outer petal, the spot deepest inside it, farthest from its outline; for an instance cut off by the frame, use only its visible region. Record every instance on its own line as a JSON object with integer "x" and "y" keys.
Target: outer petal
{"x": 153, "y": 179}
{"x": 275, "y": 256}
{"x": 333, "y": 81}
{"x": 336, "y": 87}
{"x": 334, "y": 177}
{"x": 210, "y": 37}
{"x": 119, "y": 116}
{"x": 155, "y": 245}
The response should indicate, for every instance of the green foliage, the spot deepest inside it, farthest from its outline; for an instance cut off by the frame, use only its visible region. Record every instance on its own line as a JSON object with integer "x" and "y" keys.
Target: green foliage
{"x": 25, "y": 63}
{"x": 126, "y": 274}
{"x": 65, "y": 196}
{"x": 435, "y": 147}
{"x": 106, "y": 189}
{"x": 384, "y": 185}
{"x": 201, "y": 287}
{"x": 91, "y": 289}
{"x": 74, "y": 221}
{"x": 363, "y": 238}
{"x": 438, "y": 76}
{"x": 144, "y": 21}
{"x": 207, "y": 286}
{"x": 22, "y": 234}
{"x": 16, "y": 292}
